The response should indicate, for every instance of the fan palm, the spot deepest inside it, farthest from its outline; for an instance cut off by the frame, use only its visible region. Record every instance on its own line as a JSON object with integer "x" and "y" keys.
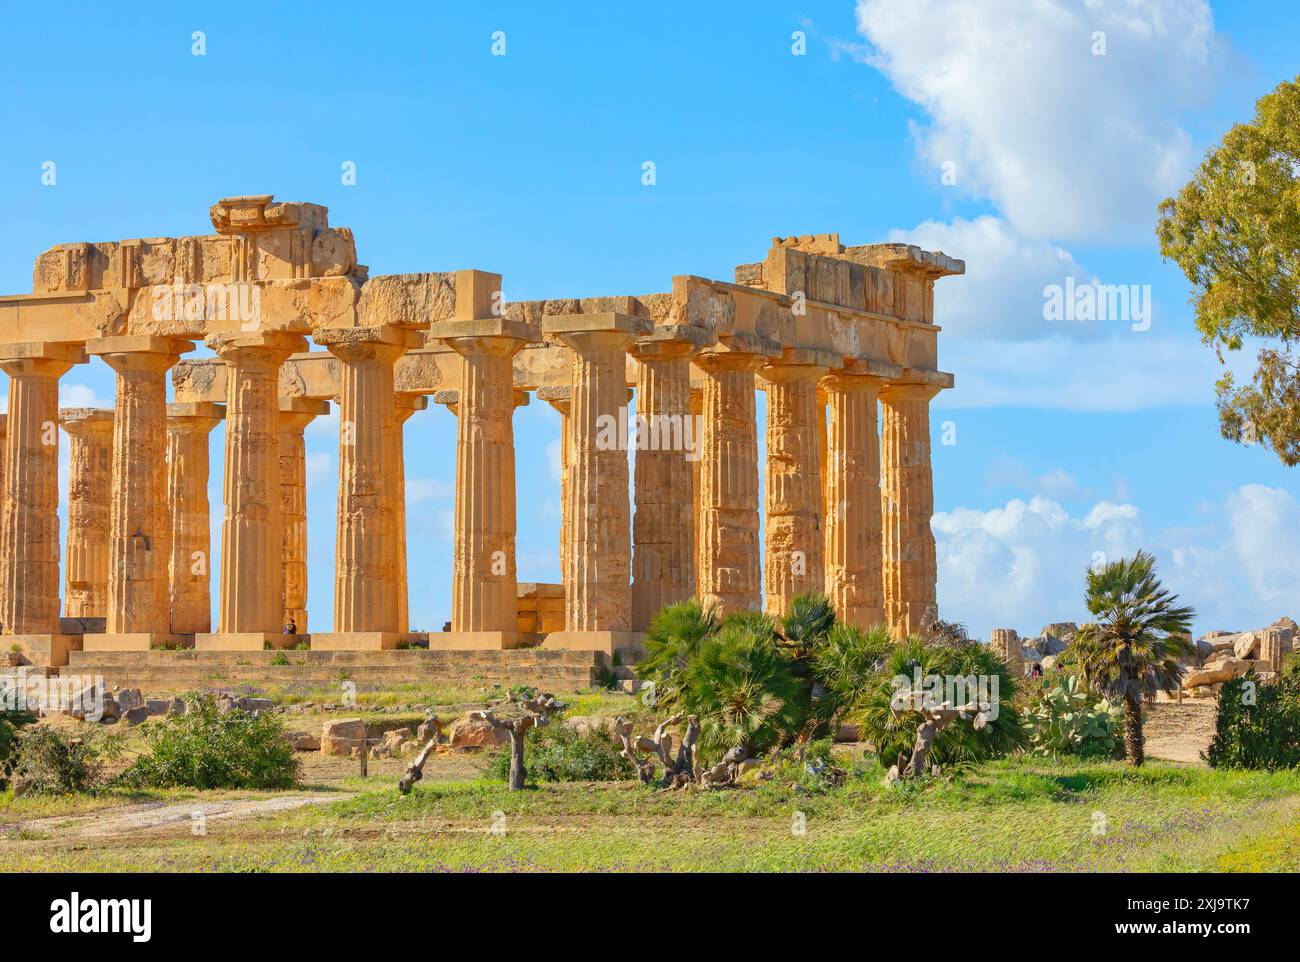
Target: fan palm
{"x": 671, "y": 638}
{"x": 1132, "y": 648}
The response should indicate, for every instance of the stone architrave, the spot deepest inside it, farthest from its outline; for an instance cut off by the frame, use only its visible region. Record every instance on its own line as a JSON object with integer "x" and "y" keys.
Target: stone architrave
{"x": 90, "y": 496}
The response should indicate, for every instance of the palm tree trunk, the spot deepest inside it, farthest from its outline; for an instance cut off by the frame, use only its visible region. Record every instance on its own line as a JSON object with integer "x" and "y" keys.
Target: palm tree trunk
{"x": 1134, "y": 741}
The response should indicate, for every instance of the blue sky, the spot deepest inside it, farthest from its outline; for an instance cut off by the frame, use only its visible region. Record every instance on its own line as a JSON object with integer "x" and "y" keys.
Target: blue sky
{"x": 1070, "y": 439}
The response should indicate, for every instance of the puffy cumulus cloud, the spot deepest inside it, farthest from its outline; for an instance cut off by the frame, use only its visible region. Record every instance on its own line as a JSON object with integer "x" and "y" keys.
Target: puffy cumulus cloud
{"x": 81, "y": 396}
{"x": 1022, "y": 565}
{"x": 1066, "y": 143}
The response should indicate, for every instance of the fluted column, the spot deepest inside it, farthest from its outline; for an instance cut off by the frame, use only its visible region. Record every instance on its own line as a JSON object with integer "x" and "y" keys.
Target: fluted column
{"x": 792, "y": 492}
{"x": 907, "y": 505}
{"x": 29, "y": 516}
{"x": 294, "y": 415}
{"x": 597, "y": 585}
{"x": 697, "y": 412}
{"x": 484, "y": 594}
{"x": 406, "y": 405}
{"x": 854, "y": 553}
{"x": 560, "y": 402}
{"x": 190, "y": 570}
{"x": 727, "y": 572}
{"x": 90, "y": 495}
{"x": 1006, "y": 643}
{"x": 365, "y": 570}
{"x": 663, "y": 528}
{"x": 252, "y": 593}
{"x": 139, "y": 550}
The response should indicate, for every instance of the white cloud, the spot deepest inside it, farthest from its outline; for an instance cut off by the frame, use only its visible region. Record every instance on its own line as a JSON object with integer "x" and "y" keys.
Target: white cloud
{"x": 80, "y": 396}
{"x": 1066, "y": 144}
{"x": 1022, "y": 565}
{"x": 320, "y": 468}
{"x": 419, "y": 490}
{"x": 554, "y": 451}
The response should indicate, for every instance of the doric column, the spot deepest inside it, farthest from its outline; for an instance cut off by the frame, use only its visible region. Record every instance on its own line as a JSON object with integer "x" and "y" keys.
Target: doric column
{"x": 597, "y": 586}
{"x": 90, "y": 495}
{"x": 559, "y": 399}
{"x": 484, "y": 596}
{"x": 663, "y": 527}
{"x": 406, "y": 405}
{"x": 907, "y": 504}
{"x": 854, "y": 554}
{"x": 365, "y": 569}
{"x": 139, "y": 550}
{"x": 251, "y": 593}
{"x": 792, "y": 492}
{"x": 295, "y": 413}
{"x": 1275, "y": 644}
{"x": 190, "y": 570}
{"x": 697, "y": 456}
{"x": 1006, "y": 643}
{"x": 29, "y": 517}
{"x": 727, "y": 575}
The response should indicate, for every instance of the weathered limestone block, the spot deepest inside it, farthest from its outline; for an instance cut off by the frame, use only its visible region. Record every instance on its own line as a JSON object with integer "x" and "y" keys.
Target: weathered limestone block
{"x": 252, "y": 593}
{"x": 1275, "y": 644}
{"x": 1006, "y": 643}
{"x": 910, "y": 571}
{"x": 190, "y": 569}
{"x": 793, "y": 536}
{"x": 29, "y": 519}
{"x": 90, "y": 488}
{"x": 727, "y": 571}
{"x": 663, "y": 532}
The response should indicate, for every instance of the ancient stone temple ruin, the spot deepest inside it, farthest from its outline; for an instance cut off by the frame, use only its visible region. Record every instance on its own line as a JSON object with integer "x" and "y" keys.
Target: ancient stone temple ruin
{"x": 842, "y": 340}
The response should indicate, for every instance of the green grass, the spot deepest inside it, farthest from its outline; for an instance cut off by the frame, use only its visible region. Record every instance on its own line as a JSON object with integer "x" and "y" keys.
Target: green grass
{"x": 1017, "y": 815}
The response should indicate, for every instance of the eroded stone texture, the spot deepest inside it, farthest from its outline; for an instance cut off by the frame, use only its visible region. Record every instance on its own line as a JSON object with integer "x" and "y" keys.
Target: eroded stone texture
{"x": 294, "y": 416}
{"x": 366, "y": 571}
{"x": 596, "y": 582}
{"x": 190, "y": 574}
{"x": 1006, "y": 642}
{"x": 139, "y": 553}
{"x": 792, "y": 530}
{"x": 663, "y": 531}
{"x": 90, "y": 497}
{"x": 484, "y": 594}
{"x": 29, "y": 518}
{"x": 727, "y": 572}
{"x": 854, "y": 581}
{"x": 405, "y": 407}
{"x": 907, "y": 503}
{"x": 252, "y": 592}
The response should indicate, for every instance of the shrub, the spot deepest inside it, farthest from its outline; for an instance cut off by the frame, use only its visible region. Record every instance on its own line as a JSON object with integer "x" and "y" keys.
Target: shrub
{"x": 52, "y": 762}
{"x": 846, "y": 669}
{"x": 207, "y": 749}
{"x": 744, "y": 687}
{"x": 555, "y": 753}
{"x": 1258, "y": 726}
{"x": 671, "y": 638}
{"x": 11, "y": 720}
{"x": 1065, "y": 721}
{"x": 894, "y": 734}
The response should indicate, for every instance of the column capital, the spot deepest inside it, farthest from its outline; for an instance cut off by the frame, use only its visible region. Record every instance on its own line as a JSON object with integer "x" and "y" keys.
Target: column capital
{"x": 406, "y": 404}
{"x": 490, "y": 329}
{"x": 797, "y": 365}
{"x": 134, "y": 351}
{"x": 917, "y": 385}
{"x": 40, "y": 358}
{"x": 728, "y": 360}
{"x": 295, "y": 413}
{"x": 377, "y": 342}
{"x": 860, "y": 374}
{"x": 271, "y": 347}
{"x": 669, "y": 341}
{"x": 200, "y": 413}
{"x": 86, "y": 422}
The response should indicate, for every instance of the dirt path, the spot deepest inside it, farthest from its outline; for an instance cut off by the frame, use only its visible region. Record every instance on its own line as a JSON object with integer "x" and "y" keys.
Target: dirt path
{"x": 1179, "y": 733}
{"x": 131, "y": 819}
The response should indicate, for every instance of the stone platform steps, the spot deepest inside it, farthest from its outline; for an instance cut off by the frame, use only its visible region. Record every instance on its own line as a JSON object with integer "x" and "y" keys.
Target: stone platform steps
{"x": 171, "y": 671}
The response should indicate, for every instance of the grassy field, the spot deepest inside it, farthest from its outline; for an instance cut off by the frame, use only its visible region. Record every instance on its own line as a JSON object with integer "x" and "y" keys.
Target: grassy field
{"x": 1022, "y": 815}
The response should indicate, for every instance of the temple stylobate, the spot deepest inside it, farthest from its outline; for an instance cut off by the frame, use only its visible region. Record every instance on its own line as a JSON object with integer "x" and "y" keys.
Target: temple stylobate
{"x": 841, "y": 339}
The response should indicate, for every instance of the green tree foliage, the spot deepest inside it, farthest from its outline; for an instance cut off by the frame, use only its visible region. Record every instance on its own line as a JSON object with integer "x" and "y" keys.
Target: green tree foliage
{"x": 1133, "y": 647}
{"x": 559, "y": 754}
{"x": 52, "y": 761}
{"x": 1235, "y": 232}
{"x": 12, "y": 719}
{"x": 908, "y": 666}
{"x": 1258, "y": 726}
{"x": 671, "y": 638}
